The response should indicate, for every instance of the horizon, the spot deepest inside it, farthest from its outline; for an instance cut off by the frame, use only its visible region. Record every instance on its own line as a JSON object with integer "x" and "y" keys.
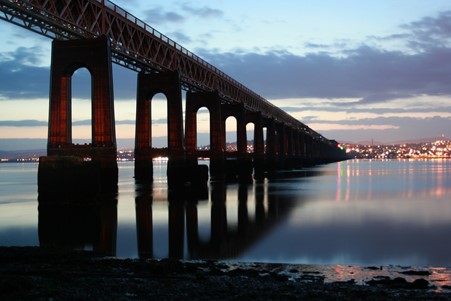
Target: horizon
{"x": 33, "y": 144}
{"x": 373, "y": 71}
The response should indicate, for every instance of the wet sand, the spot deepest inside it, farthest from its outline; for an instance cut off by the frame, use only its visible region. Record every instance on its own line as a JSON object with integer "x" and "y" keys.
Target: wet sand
{"x": 48, "y": 274}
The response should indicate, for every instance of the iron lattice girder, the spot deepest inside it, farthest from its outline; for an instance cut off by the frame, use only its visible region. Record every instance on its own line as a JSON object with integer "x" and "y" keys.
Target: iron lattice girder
{"x": 137, "y": 46}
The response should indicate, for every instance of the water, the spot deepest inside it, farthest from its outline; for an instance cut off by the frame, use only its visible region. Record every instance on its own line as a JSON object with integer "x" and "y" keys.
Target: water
{"x": 348, "y": 213}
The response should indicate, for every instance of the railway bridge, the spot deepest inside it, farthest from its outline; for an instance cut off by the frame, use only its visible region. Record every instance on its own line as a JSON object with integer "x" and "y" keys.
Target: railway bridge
{"x": 96, "y": 33}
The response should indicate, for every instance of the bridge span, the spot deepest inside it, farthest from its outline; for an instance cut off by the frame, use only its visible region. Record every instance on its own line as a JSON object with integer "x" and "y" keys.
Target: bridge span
{"x": 96, "y": 33}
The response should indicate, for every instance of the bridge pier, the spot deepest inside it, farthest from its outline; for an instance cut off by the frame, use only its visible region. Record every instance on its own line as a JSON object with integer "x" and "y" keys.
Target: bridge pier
{"x": 238, "y": 164}
{"x": 259, "y": 147}
{"x": 148, "y": 86}
{"x": 281, "y": 146}
{"x": 67, "y": 163}
{"x": 212, "y": 101}
{"x": 271, "y": 148}
{"x": 179, "y": 169}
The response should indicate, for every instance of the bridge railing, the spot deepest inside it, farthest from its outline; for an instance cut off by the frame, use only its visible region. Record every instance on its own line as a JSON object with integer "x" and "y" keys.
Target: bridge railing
{"x": 138, "y": 46}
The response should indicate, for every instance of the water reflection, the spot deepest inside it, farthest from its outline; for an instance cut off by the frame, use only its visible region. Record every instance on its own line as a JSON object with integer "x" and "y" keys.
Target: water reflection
{"x": 377, "y": 179}
{"x": 355, "y": 212}
{"x": 79, "y": 228}
{"x": 239, "y": 216}
{"x": 78, "y": 221}
{"x": 227, "y": 238}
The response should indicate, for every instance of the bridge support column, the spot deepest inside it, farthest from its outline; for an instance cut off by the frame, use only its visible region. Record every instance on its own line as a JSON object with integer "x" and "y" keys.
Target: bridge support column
{"x": 271, "y": 148}
{"x": 149, "y": 85}
{"x": 281, "y": 146}
{"x": 309, "y": 155}
{"x": 65, "y": 163}
{"x": 210, "y": 100}
{"x": 289, "y": 162}
{"x": 297, "y": 163}
{"x": 239, "y": 164}
{"x": 259, "y": 146}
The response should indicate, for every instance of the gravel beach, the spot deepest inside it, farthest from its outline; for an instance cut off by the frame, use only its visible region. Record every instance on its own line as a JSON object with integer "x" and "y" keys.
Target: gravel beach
{"x": 31, "y": 273}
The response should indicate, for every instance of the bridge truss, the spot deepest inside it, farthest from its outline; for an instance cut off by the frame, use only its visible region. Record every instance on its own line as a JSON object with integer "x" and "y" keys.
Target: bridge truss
{"x": 137, "y": 46}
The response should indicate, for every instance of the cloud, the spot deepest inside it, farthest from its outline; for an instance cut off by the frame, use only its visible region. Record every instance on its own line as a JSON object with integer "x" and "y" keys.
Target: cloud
{"x": 366, "y": 73}
{"x": 386, "y": 130}
{"x": 352, "y": 127}
{"x": 371, "y": 74}
{"x": 35, "y": 123}
{"x": 430, "y": 32}
{"x": 22, "y": 123}
{"x": 159, "y": 16}
{"x": 181, "y": 14}
{"x": 118, "y": 122}
{"x": 180, "y": 37}
{"x": 122, "y": 122}
{"x": 163, "y": 121}
{"x": 203, "y": 12}
{"x": 20, "y": 78}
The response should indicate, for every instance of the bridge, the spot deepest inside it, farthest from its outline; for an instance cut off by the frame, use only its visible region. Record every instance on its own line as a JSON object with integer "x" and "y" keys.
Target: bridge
{"x": 96, "y": 33}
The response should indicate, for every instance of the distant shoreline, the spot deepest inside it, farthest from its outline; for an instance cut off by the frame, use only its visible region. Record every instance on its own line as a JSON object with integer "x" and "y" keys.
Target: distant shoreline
{"x": 36, "y": 160}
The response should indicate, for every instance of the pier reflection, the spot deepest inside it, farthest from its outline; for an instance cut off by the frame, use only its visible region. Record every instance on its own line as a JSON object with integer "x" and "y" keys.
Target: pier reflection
{"x": 229, "y": 236}
{"x": 220, "y": 223}
{"x": 89, "y": 223}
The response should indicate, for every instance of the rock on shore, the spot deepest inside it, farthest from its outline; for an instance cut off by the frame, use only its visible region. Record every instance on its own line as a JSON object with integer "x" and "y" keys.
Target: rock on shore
{"x": 46, "y": 274}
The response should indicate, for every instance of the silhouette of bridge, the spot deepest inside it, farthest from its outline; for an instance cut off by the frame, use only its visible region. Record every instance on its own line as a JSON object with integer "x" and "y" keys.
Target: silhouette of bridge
{"x": 96, "y": 33}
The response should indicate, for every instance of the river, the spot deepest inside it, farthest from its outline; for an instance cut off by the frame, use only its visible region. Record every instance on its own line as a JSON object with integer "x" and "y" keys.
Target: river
{"x": 356, "y": 212}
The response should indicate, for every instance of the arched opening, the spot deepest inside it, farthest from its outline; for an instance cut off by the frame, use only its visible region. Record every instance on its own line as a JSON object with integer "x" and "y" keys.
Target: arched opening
{"x": 231, "y": 134}
{"x": 203, "y": 129}
{"x": 183, "y": 110}
{"x": 159, "y": 119}
{"x": 250, "y": 132}
{"x": 81, "y": 106}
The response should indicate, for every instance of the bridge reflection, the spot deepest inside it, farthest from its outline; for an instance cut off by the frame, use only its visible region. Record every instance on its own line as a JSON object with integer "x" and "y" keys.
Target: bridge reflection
{"x": 76, "y": 227}
{"x": 254, "y": 210}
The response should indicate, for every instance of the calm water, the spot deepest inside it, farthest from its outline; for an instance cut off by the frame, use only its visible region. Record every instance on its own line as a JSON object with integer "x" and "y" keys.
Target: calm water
{"x": 353, "y": 212}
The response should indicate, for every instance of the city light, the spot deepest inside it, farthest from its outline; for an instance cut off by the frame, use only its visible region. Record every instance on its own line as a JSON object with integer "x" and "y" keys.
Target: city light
{"x": 436, "y": 149}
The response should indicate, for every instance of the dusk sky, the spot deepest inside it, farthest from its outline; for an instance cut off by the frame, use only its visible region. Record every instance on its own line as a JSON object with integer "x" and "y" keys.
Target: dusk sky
{"x": 352, "y": 70}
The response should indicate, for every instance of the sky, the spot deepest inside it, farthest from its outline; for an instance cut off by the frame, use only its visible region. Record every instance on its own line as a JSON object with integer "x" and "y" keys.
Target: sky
{"x": 351, "y": 70}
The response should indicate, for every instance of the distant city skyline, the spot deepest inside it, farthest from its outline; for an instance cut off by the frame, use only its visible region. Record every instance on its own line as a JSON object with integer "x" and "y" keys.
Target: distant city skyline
{"x": 352, "y": 71}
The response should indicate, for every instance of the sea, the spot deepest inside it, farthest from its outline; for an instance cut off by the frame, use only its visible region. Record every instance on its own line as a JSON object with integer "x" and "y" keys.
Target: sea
{"x": 370, "y": 213}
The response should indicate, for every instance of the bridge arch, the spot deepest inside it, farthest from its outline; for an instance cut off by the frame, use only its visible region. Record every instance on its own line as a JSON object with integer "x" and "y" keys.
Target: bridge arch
{"x": 203, "y": 129}
{"x": 236, "y": 111}
{"x": 231, "y": 133}
{"x": 211, "y": 101}
{"x": 257, "y": 120}
{"x": 159, "y": 120}
{"x": 81, "y": 105}
{"x": 250, "y": 134}
{"x": 149, "y": 86}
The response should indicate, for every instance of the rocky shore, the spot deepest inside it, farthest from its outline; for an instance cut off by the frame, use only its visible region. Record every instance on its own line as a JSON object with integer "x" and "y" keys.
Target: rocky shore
{"x": 28, "y": 273}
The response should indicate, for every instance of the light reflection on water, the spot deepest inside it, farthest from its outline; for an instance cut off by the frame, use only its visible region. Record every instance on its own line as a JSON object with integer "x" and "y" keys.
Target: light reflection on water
{"x": 352, "y": 212}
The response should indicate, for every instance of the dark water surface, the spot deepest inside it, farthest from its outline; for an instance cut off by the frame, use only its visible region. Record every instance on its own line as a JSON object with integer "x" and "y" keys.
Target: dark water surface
{"x": 348, "y": 213}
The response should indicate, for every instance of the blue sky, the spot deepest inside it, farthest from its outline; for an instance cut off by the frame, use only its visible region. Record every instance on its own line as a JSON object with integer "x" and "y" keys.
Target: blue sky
{"x": 351, "y": 70}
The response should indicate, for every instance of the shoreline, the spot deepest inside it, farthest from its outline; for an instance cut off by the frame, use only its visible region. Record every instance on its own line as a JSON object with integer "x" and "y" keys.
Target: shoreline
{"x": 33, "y": 273}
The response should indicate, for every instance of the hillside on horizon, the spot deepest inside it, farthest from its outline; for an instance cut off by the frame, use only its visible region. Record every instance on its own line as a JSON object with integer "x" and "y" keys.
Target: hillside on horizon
{"x": 406, "y": 141}
{"x": 40, "y": 145}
